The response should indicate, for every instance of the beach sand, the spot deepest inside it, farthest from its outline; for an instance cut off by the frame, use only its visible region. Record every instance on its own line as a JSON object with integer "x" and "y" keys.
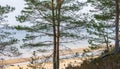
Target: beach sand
{"x": 46, "y": 65}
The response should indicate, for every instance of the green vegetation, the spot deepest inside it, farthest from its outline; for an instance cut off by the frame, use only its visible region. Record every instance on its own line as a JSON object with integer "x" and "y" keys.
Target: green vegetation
{"x": 49, "y": 19}
{"x": 5, "y": 10}
{"x": 101, "y": 24}
{"x": 6, "y": 40}
{"x": 40, "y": 14}
{"x": 57, "y": 21}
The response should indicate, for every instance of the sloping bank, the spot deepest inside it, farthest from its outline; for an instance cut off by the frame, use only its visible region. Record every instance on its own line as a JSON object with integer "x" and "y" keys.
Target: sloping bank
{"x": 109, "y": 62}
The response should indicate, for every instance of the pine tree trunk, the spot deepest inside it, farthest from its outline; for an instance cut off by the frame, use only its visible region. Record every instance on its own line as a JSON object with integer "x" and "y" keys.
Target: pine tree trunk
{"x": 58, "y": 30}
{"x": 54, "y": 36}
{"x": 116, "y": 49}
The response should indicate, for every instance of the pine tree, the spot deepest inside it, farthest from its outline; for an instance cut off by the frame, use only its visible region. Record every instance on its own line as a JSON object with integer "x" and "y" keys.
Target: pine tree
{"x": 40, "y": 15}
{"x": 6, "y": 40}
{"x": 99, "y": 32}
{"x": 4, "y": 10}
{"x": 104, "y": 17}
{"x": 52, "y": 16}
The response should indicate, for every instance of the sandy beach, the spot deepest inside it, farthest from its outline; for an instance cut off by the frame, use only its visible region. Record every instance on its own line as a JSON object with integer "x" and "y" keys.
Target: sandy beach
{"x": 47, "y": 65}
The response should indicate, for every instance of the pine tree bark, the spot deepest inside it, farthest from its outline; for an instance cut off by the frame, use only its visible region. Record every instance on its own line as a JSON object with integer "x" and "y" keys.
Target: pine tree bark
{"x": 58, "y": 30}
{"x": 116, "y": 49}
{"x": 54, "y": 36}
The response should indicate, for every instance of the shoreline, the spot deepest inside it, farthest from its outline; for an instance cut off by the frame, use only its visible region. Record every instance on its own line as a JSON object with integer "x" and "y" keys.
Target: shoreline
{"x": 49, "y": 65}
{"x": 19, "y": 60}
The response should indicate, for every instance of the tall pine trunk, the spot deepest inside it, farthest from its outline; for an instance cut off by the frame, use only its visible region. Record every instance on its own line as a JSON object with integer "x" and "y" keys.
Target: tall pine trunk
{"x": 116, "y": 49}
{"x": 58, "y": 30}
{"x": 54, "y": 36}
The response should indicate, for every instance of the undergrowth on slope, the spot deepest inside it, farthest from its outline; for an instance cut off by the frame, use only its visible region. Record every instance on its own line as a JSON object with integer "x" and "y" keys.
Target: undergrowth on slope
{"x": 105, "y": 61}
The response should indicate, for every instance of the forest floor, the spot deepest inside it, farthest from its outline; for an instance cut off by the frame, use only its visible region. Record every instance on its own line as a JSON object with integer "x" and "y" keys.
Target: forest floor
{"x": 12, "y": 63}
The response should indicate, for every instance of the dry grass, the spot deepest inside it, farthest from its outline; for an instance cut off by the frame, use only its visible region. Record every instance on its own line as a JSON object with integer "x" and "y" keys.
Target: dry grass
{"x": 110, "y": 62}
